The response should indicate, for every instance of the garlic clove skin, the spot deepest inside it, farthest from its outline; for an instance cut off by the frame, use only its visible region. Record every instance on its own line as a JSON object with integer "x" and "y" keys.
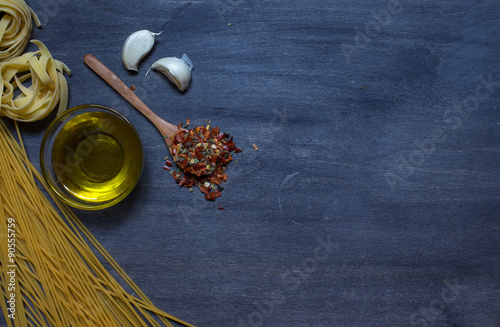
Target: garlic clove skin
{"x": 178, "y": 71}
{"x": 136, "y": 47}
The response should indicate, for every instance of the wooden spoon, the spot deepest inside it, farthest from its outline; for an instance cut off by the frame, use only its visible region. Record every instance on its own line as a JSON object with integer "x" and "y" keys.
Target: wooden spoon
{"x": 166, "y": 129}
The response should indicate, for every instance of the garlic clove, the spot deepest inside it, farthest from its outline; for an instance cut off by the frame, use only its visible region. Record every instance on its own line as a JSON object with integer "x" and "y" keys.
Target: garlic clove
{"x": 178, "y": 71}
{"x": 136, "y": 47}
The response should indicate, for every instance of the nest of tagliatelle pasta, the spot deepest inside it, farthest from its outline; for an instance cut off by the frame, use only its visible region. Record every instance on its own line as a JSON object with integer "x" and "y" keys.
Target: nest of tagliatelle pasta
{"x": 203, "y": 154}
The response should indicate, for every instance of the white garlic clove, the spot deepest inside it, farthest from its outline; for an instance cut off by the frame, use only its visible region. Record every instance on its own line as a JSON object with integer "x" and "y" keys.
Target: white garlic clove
{"x": 178, "y": 71}
{"x": 136, "y": 47}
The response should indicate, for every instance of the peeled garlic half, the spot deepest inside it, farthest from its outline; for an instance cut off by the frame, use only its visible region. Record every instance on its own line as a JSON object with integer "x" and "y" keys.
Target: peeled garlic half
{"x": 136, "y": 47}
{"x": 178, "y": 71}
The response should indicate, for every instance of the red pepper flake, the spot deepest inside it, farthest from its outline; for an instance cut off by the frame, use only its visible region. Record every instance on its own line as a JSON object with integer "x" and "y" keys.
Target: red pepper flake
{"x": 221, "y": 208}
{"x": 166, "y": 168}
{"x": 168, "y": 163}
{"x": 176, "y": 175}
{"x": 203, "y": 154}
{"x": 132, "y": 87}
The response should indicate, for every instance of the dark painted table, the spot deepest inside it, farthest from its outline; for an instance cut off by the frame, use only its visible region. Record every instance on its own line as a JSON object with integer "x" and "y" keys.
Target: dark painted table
{"x": 373, "y": 197}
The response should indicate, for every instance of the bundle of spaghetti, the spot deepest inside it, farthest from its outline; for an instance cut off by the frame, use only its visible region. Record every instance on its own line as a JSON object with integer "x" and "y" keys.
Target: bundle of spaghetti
{"x": 15, "y": 27}
{"x": 53, "y": 277}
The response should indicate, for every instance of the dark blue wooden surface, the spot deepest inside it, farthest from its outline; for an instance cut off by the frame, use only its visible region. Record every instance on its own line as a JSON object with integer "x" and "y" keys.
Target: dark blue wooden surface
{"x": 373, "y": 198}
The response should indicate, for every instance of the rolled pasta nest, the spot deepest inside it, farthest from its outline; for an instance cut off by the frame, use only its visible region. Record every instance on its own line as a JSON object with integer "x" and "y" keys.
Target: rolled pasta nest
{"x": 32, "y": 83}
{"x": 15, "y": 27}
{"x": 48, "y": 85}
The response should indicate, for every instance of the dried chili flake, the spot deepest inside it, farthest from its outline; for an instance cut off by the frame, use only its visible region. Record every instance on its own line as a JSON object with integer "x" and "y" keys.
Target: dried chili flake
{"x": 203, "y": 154}
{"x": 176, "y": 175}
{"x": 132, "y": 87}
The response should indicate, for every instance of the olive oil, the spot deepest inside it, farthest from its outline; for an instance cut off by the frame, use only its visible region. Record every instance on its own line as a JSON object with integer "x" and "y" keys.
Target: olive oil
{"x": 95, "y": 156}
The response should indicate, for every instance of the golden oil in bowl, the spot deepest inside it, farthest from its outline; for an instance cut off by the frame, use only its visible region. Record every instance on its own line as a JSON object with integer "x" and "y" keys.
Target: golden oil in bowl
{"x": 93, "y": 158}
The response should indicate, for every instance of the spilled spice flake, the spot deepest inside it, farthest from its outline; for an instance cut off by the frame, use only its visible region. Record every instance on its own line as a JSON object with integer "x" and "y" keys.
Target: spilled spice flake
{"x": 203, "y": 154}
{"x": 132, "y": 87}
{"x": 255, "y": 147}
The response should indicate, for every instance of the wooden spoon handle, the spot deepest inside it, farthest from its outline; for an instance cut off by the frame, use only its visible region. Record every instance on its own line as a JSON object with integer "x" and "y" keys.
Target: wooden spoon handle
{"x": 117, "y": 84}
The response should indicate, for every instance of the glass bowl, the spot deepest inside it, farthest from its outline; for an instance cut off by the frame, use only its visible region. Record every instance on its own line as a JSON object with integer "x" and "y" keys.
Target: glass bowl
{"x": 91, "y": 156}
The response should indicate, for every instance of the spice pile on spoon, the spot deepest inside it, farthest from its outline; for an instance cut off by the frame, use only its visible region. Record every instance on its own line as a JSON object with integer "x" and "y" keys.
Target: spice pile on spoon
{"x": 202, "y": 153}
